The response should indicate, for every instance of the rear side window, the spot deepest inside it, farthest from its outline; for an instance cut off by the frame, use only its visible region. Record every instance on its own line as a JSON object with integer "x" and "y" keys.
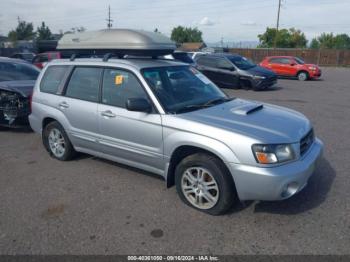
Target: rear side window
{"x": 280, "y": 60}
{"x": 84, "y": 84}
{"x": 52, "y": 79}
{"x": 119, "y": 86}
{"x": 206, "y": 61}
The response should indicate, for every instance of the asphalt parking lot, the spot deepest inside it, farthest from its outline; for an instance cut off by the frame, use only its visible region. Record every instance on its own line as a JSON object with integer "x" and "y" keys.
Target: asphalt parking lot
{"x": 93, "y": 206}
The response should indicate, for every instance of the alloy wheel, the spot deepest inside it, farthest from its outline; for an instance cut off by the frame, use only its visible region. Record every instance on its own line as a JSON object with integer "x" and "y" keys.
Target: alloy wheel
{"x": 200, "y": 188}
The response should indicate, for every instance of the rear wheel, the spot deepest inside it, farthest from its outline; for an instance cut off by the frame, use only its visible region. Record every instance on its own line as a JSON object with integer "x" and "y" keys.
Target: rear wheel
{"x": 57, "y": 142}
{"x": 203, "y": 182}
{"x": 303, "y": 76}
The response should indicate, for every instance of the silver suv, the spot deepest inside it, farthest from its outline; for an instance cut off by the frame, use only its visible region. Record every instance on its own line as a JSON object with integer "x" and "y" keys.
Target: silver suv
{"x": 167, "y": 118}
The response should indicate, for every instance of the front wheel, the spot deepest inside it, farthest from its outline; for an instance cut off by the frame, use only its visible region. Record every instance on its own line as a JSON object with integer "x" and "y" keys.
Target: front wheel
{"x": 303, "y": 76}
{"x": 203, "y": 182}
{"x": 57, "y": 142}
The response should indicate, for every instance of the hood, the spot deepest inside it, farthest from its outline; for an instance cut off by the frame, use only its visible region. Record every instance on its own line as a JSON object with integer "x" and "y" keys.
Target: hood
{"x": 260, "y": 71}
{"x": 263, "y": 122}
{"x": 24, "y": 87}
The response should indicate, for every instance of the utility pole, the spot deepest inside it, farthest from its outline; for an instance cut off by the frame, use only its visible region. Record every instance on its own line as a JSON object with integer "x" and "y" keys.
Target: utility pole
{"x": 278, "y": 23}
{"x": 109, "y": 20}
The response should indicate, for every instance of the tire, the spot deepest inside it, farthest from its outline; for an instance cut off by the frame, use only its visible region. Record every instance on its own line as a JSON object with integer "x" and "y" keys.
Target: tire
{"x": 54, "y": 137}
{"x": 222, "y": 192}
{"x": 303, "y": 76}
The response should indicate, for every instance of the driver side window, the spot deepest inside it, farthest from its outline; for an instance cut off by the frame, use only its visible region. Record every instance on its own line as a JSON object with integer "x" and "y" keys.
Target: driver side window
{"x": 222, "y": 63}
{"x": 119, "y": 86}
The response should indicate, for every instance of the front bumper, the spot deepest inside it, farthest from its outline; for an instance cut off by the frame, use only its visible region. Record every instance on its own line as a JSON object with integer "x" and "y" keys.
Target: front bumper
{"x": 263, "y": 84}
{"x": 276, "y": 183}
{"x": 315, "y": 74}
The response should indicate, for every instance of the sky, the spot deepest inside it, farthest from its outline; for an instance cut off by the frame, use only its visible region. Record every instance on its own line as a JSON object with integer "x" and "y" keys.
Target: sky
{"x": 230, "y": 20}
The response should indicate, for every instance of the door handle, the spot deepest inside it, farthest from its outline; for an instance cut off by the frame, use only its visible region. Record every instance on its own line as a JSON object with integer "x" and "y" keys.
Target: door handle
{"x": 63, "y": 105}
{"x": 108, "y": 114}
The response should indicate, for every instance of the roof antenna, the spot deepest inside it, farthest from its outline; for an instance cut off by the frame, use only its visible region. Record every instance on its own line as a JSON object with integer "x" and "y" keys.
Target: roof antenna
{"x": 72, "y": 57}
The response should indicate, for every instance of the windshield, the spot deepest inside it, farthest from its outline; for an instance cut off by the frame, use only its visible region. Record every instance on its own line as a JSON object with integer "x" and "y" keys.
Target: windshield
{"x": 299, "y": 60}
{"x": 182, "y": 88}
{"x": 241, "y": 62}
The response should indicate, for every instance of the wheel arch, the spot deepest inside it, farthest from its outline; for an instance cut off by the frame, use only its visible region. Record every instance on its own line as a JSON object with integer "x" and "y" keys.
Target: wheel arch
{"x": 303, "y": 71}
{"x": 182, "y": 152}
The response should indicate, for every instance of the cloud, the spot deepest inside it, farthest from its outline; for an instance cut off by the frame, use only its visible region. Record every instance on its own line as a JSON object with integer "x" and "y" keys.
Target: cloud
{"x": 206, "y": 22}
{"x": 249, "y": 23}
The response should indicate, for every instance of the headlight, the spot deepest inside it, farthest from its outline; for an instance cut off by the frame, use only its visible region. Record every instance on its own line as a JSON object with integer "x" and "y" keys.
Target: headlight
{"x": 312, "y": 67}
{"x": 259, "y": 77}
{"x": 269, "y": 154}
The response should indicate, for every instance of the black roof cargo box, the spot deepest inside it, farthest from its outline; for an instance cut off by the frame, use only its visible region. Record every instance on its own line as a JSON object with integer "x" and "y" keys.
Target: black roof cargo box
{"x": 117, "y": 41}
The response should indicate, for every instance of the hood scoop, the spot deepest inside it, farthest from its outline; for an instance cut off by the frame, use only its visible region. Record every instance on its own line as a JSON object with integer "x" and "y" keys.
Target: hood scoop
{"x": 247, "y": 108}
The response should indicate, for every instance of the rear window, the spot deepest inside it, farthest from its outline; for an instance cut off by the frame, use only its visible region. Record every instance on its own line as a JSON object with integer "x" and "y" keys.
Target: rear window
{"x": 52, "y": 79}
{"x": 17, "y": 71}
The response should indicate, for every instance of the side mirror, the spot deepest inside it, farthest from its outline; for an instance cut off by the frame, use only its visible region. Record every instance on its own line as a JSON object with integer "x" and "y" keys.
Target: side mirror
{"x": 138, "y": 105}
{"x": 292, "y": 64}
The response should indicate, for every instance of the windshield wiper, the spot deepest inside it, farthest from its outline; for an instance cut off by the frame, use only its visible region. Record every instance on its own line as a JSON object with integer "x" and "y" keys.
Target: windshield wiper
{"x": 209, "y": 103}
{"x": 216, "y": 101}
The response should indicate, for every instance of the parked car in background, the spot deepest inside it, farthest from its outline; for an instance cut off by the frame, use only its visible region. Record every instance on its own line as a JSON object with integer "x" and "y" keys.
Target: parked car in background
{"x": 180, "y": 56}
{"x": 41, "y": 59}
{"x": 291, "y": 66}
{"x": 196, "y": 54}
{"x": 235, "y": 71}
{"x": 17, "y": 79}
{"x": 24, "y": 56}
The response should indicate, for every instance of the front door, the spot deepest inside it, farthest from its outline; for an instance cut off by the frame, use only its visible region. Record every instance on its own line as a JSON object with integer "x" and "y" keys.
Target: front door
{"x": 133, "y": 137}
{"x": 227, "y": 75}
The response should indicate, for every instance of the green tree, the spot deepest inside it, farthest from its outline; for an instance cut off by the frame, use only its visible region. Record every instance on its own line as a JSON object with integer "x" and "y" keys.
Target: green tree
{"x": 326, "y": 40}
{"x": 182, "y": 34}
{"x": 342, "y": 41}
{"x": 286, "y": 38}
{"x": 314, "y": 44}
{"x": 330, "y": 41}
{"x": 44, "y": 32}
{"x": 23, "y": 31}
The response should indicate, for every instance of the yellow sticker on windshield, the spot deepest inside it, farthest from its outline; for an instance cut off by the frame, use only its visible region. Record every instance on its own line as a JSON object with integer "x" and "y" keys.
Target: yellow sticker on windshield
{"x": 118, "y": 80}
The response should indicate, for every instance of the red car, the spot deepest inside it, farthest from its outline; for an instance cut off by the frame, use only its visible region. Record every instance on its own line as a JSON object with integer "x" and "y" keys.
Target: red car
{"x": 41, "y": 59}
{"x": 292, "y": 67}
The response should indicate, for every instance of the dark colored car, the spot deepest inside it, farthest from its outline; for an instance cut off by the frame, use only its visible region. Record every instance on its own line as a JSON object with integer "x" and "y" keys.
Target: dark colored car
{"x": 24, "y": 56}
{"x": 290, "y": 66}
{"x": 17, "y": 80}
{"x": 235, "y": 71}
{"x": 41, "y": 59}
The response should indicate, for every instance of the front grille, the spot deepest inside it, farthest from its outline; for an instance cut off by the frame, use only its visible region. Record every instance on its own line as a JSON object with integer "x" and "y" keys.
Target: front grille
{"x": 306, "y": 142}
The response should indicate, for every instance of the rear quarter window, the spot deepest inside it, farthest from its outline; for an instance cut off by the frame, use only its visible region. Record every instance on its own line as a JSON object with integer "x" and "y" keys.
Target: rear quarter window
{"x": 52, "y": 79}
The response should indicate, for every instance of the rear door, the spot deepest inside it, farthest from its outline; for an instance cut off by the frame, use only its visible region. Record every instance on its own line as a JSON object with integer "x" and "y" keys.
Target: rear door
{"x": 134, "y": 137}
{"x": 208, "y": 66}
{"x": 275, "y": 64}
{"x": 79, "y": 106}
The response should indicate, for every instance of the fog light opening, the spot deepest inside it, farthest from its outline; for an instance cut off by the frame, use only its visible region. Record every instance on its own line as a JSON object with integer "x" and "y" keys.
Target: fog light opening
{"x": 290, "y": 189}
